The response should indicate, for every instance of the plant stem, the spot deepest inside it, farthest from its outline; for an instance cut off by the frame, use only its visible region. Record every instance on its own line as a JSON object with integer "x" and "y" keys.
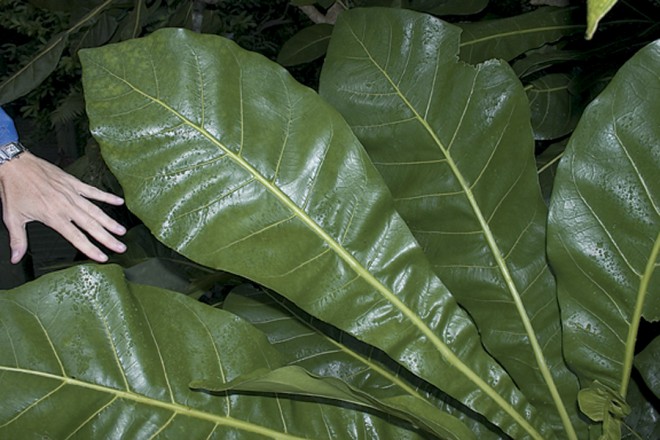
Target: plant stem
{"x": 651, "y": 264}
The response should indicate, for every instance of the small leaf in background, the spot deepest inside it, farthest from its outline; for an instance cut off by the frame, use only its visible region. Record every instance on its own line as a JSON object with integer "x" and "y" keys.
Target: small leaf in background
{"x": 546, "y": 164}
{"x": 596, "y": 10}
{"x": 131, "y": 26}
{"x": 536, "y": 60}
{"x": 448, "y": 7}
{"x": 35, "y": 71}
{"x": 97, "y": 34}
{"x": 307, "y": 45}
{"x": 555, "y": 110}
{"x": 44, "y": 63}
{"x": 647, "y": 363}
{"x": 506, "y": 38}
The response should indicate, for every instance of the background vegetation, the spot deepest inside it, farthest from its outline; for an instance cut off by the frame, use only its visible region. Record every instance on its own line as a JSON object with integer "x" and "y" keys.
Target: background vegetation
{"x": 560, "y": 69}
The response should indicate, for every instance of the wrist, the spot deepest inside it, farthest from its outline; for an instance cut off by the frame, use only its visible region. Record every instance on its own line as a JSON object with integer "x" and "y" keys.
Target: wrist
{"x": 12, "y": 170}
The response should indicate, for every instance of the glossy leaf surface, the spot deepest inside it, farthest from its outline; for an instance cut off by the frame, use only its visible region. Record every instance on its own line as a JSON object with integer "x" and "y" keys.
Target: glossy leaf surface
{"x": 604, "y": 225}
{"x": 454, "y": 145}
{"x": 233, "y": 164}
{"x": 509, "y": 37}
{"x": 84, "y": 354}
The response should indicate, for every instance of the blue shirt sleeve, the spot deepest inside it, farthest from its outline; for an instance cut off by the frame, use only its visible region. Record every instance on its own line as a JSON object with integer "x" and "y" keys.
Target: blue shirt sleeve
{"x": 7, "y": 129}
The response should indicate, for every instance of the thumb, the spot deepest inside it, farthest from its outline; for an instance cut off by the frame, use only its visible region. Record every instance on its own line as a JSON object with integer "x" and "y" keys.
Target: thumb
{"x": 17, "y": 242}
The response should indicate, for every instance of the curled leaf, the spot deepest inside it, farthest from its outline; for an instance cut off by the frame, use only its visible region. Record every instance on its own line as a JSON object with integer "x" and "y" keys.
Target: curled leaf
{"x": 602, "y": 404}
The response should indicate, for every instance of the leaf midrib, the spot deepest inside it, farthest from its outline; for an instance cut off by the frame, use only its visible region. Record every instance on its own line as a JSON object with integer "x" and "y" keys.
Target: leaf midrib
{"x": 174, "y": 407}
{"x": 643, "y": 290}
{"x": 372, "y": 365}
{"x": 519, "y": 32}
{"x": 357, "y": 267}
{"x": 492, "y": 244}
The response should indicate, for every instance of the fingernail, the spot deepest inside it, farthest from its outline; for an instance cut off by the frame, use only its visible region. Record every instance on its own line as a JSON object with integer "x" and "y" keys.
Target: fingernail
{"x": 101, "y": 257}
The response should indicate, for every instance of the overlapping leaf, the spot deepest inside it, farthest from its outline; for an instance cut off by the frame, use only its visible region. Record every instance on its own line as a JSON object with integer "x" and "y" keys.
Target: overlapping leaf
{"x": 509, "y": 37}
{"x": 555, "y": 110}
{"x": 648, "y": 364}
{"x": 325, "y": 351}
{"x": 604, "y": 226}
{"x": 235, "y": 165}
{"x": 84, "y": 354}
{"x": 455, "y": 147}
{"x": 306, "y": 45}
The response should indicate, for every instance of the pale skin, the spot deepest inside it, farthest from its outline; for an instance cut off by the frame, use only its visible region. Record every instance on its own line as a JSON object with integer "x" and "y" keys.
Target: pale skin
{"x": 33, "y": 189}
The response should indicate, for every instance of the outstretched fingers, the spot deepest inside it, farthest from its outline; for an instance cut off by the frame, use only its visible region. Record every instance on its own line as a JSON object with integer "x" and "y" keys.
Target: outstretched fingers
{"x": 18, "y": 242}
{"x": 93, "y": 193}
{"x": 75, "y": 236}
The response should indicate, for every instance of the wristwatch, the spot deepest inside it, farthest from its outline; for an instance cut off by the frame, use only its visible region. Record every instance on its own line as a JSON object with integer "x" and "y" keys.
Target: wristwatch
{"x": 10, "y": 151}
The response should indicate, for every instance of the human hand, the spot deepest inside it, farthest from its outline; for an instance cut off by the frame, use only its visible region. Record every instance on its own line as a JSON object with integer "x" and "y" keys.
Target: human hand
{"x": 33, "y": 189}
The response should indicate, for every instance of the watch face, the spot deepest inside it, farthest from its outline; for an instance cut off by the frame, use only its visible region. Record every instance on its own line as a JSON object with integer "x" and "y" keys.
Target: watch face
{"x": 12, "y": 150}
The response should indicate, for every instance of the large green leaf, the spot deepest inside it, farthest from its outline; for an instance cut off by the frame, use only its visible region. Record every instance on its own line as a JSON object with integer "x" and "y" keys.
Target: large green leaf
{"x": 604, "y": 225}
{"x": 454, "y": 144}
{"x": 509, "y": 37}
{"x": 233, "y": 164}
{"x": 84, "y": 354}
